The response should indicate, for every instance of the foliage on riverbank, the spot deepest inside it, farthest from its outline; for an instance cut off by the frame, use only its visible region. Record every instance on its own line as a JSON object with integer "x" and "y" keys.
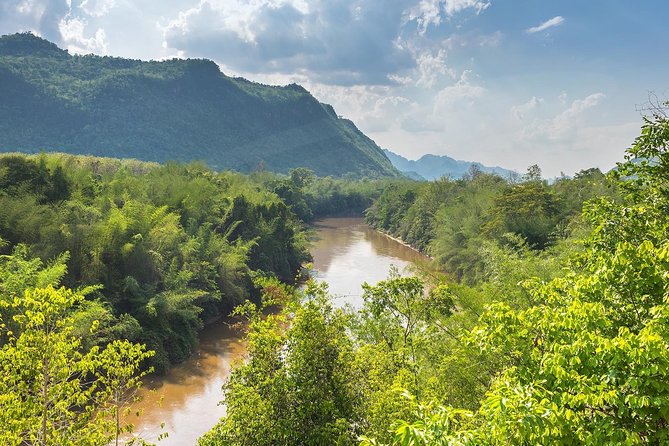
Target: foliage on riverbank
{"x": 586, "y": 362}
{"x": 451, "y": 219}
{"x": 53, "y": 391}
{"x": 550, "y": 344}
{"x": 171, "y": 246}
{"x": 311, "y": 197}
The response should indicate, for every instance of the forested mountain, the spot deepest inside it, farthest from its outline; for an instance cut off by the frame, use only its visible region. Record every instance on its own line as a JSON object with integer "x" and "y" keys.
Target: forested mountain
{"x": 433, "y": 167}
{"x": 170, "y": 110}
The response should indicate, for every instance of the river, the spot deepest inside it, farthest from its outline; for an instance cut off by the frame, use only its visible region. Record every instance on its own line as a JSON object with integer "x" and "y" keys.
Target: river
{"x": 346, "y": 253}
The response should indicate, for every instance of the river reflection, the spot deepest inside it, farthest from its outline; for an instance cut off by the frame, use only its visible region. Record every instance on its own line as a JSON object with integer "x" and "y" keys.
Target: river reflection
{"x": 186, "y": 398}
{"x": 346, "y": 253}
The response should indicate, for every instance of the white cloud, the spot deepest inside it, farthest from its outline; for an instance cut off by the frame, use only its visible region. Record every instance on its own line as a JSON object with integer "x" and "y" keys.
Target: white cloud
{"x": 97, "y": 8}
{"x": 374, "y": 109}
{"x": 231, "y": 16}
{"x": 520, "y": 111}
{"x": 400, "y": 80}
{"x": 463, "y": 89}
{"x": 25, "y": 7}
{"x": 426, "y": 13}
{"x": 565, "y": 119}
{"x": 555, "y": 21}
{"x": 72, "y": 31}
{"x": 335, "y": 42}
{"x": 562, "y": 97}
{"x": 384, "y": 114}
{"x": 431, "y": 67}
{"x": 429, "y": 12}
{"x": 454, "y": 6}
{"x": 565, "y": 125}
{"x": 491, "y": 40}
{"x": 38, "y": 16}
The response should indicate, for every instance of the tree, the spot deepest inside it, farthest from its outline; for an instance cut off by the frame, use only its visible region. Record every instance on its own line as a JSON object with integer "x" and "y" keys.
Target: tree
{"x": 432, "y": 425}
{"x": 587, "y": 362}
{"x": 533, "y": 173}
{"x": 529, "y": 209}
{"x": 401, "y": 302}
{"x": 301, "y": 177}
{"x": 299, "y": 385}
{"x": 118, "y": 381}
{"x": 53, "y": 393}
{"x": 291, "y": 190}
{"x": 398, "y": 312}
{"x": 17, "y": 274}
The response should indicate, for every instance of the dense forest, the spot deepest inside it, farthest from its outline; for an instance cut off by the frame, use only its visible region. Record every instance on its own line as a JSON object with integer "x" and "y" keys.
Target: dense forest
{"x": 551, "y": 330}
{"x": 109, "y": 268}
{"x": 170, "y": 246}
{"x": 171, "y": 110}
{"x": 451, "y": 220}
{"x": 542, "y": 320}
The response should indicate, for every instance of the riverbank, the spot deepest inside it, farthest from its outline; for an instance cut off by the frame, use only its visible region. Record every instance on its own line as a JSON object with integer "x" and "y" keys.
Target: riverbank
{"x": 346, "y": 252}
{"x": 402, "y": 242}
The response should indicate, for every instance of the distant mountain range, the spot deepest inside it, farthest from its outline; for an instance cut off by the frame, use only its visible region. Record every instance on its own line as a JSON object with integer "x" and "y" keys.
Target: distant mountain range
{"x": 171, "y": 110}
{"x": 432, "y": 167}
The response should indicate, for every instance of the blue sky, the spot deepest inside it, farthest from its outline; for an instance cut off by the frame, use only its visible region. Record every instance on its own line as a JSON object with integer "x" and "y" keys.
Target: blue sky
{"x": 503, "y": 82}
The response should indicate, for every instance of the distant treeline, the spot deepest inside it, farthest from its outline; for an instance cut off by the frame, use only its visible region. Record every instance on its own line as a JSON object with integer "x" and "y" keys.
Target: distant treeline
{"x": 451, "y": 219}
{"x": 311, "y": 197}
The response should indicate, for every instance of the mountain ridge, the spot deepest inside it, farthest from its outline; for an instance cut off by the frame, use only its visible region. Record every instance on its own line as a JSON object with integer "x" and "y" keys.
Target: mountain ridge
{"x": 432, "y": 167}
{"x": 178, "y": 109}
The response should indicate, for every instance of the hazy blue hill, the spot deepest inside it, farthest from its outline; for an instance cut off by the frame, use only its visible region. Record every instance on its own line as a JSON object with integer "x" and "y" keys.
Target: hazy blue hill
{"x": 432, "y": 167}
{"x": 413, "y": 175}
{"x": 170, "y": 110}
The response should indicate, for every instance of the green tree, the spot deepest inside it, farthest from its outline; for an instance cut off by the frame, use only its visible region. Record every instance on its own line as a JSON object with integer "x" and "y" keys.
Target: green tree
{"x": 118, "y": 378}
{"x": 53, "y": 393}
{"x": 529, "y": 209}
{"x": 431, "y": 425}
{"x": 299, "y": 385}
{"x": 533, "y": 173}
{"x": 399, "y": 309}
{"x": 291, "y": 191}
{"x": 587, "y": 361}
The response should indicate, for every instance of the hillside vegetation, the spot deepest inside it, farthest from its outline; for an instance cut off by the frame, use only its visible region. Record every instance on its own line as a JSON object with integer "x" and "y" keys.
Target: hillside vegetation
{"x": 179, "y": 110}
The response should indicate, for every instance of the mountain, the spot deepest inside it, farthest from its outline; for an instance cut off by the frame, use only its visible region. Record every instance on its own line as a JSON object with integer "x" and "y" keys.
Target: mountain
{"x": 432, "y": 167}
{"x": 170, "y": 110}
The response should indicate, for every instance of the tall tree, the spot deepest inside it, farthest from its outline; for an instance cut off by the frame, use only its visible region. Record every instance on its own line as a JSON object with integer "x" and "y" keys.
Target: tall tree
{"x": 53, "y": 393}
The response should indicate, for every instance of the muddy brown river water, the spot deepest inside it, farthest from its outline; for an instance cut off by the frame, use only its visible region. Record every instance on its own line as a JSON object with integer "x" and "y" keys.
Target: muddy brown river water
{"x": 346, "y": 253}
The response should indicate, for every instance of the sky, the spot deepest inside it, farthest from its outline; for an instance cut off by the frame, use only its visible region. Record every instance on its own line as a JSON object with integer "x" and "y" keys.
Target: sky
{"x": 511, "y": 83}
